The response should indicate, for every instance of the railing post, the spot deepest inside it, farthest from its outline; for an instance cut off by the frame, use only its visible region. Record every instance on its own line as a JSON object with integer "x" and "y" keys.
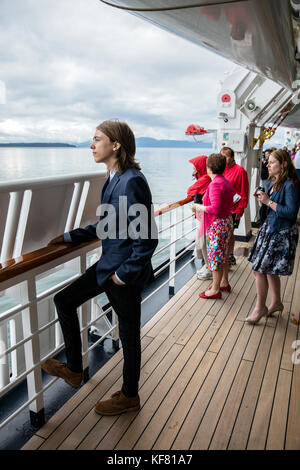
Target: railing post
{"x": 94, "y": 306}
{"x": 4, "y": 365}
{"x": 32, "y": 355}
{"x": 59, "y": 339}
{"x": 172, "y": 268}
{"x": 115, "y": 335}
{"x": 74, "y": 206}
{"x": 17, "y": 356}
{"x": 11, "y": 226}
{"x": 85, "y": 309}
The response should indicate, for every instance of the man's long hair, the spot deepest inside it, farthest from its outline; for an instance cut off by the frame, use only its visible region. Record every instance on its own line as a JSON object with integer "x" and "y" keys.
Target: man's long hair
{"x": 120, "y": 132}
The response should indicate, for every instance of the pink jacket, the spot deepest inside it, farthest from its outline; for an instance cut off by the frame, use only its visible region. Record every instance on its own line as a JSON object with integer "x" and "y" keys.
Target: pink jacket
{"x": 218, "y": 200}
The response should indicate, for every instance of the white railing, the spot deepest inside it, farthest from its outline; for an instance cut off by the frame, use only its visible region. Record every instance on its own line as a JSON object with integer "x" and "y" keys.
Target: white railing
{"x": 35, "y": 210}
{"x": 29, "y": 327}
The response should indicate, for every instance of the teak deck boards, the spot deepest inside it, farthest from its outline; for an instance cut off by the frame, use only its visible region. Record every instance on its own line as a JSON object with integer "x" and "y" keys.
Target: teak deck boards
{"x": 208, "y": 379}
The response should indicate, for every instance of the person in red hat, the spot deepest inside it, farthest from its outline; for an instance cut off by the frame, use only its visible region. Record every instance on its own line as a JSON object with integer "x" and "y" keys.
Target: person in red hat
{"x": 197, "y": 190}
{"x": 200, "y": 173}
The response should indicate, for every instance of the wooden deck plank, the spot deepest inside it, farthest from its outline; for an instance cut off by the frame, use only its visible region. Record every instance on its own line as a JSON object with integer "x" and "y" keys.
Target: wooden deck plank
{"x": 226, "y": 422}
{"x": 157, "y": 421}
{"x": 276, "y": 435}
{"x": 293, "y": 427}
{"x": 89, "y": 394}
{"x": 75, "y": 401}
{"x": 101, "y": 429}
{"x": 76, "y": 423}
{"x": 167, "y": 431}
{"x": 295, "y": 305}
{"x": 219, "y": 308}
{"x": 253, "y": 344}
{"x": 133, "y": 433}
{"x": 242, "y": 427}
{"x": 176, "y": 299}
{"x": 208, "y": 380}
{"x": 34, "y": 443}
{"x": 225, "y": 319}
{"x": 291, "y": 334}
{"x": 165, "y": 405}
{"x": 259, "y": 430}
{"x": 179, "y": 387}
{"x": 291, "y": 302}
{"x": 97, "y": 394}
{"x": 186, "y": 304}
{"x": 189, "y": 428}
{"x": 290, "y": 285}
{"x": 240, "y": 275}
{"x": 159, "y": 348}
{"x": 211, "y": 416}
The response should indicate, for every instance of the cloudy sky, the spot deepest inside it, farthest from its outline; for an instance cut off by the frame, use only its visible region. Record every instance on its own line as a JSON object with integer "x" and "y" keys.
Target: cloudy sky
{"x": 69, "y": 64}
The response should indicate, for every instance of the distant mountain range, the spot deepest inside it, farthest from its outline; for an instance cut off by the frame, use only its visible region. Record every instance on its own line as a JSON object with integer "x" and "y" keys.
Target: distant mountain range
{"x": 165, "y": 143}
{"x": 36, "y": 144}
{"x": 140, "y": 142}
{"x": 150, "y": 142}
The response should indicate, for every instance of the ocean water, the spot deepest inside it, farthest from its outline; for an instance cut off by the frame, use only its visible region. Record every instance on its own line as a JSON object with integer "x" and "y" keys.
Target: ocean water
{"x": 167, "y": 170}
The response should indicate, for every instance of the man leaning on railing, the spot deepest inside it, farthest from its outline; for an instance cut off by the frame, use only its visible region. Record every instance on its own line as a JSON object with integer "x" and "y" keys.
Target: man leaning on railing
{"x": 123, "y": 269}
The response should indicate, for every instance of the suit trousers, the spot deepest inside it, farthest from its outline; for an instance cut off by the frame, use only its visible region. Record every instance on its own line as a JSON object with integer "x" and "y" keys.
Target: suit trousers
{"x": 126, "y": 302}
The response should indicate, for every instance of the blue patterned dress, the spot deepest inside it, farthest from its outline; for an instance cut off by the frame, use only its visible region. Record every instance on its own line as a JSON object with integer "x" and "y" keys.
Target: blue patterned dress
{"x": 274, "y": 253}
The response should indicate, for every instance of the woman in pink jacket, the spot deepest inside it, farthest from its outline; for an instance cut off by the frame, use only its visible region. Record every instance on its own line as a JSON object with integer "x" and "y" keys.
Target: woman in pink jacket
{"x": 216, "y": 208}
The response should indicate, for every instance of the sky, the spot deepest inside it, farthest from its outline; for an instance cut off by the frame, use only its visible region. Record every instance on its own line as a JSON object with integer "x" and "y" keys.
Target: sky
{"x": 67, "y": 65}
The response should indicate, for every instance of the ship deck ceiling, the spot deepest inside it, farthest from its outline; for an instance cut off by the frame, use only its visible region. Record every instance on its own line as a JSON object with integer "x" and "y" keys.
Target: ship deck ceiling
{"x": 208, "y": 379}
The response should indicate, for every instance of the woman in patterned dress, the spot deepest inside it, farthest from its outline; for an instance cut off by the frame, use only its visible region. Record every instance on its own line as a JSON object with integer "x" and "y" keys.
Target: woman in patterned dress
{"x": 217, "y": 203}
{"x": 274, "y": 249}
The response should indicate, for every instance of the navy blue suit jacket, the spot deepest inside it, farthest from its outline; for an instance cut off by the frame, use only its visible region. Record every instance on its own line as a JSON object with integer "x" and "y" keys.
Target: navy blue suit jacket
{"x": 128, "y": 231}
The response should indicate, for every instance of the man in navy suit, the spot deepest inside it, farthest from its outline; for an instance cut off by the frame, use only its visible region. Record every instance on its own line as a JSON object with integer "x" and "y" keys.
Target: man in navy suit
{"x": 129, "y": 237}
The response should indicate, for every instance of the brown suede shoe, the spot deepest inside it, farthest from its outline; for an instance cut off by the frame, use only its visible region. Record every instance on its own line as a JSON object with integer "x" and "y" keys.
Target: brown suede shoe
{"x": 60, "y": 369}
{"x": 118, "y": 404}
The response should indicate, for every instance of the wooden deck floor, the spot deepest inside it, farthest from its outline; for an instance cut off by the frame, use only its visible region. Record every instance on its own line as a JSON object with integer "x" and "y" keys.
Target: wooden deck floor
{"x": 208, "y": 379}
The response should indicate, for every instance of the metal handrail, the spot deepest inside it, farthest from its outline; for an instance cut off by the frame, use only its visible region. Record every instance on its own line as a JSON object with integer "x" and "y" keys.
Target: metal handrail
{"x": 172, "y": 206}
{"x": 26, "y": 262}
{"x": 34, "y": 183}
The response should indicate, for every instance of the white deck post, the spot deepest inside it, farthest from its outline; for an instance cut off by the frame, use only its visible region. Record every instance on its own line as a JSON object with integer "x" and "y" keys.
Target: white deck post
{"x": 4, "y": 365}
{"x": 115, "y": 333}
{"x": 59, "y": 339}
{"x": 17, "y": 356}
{"x": 32, "y": 354}
{"x": 172, "y": 268}
{"x": 84, "y": 310}
{"x": 11, "y": 226}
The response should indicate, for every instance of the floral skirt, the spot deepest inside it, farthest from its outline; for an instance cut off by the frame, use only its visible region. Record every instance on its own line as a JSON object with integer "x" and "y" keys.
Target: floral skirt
{"x": 218, "y": 235}
{"x": 274, "y": 253}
